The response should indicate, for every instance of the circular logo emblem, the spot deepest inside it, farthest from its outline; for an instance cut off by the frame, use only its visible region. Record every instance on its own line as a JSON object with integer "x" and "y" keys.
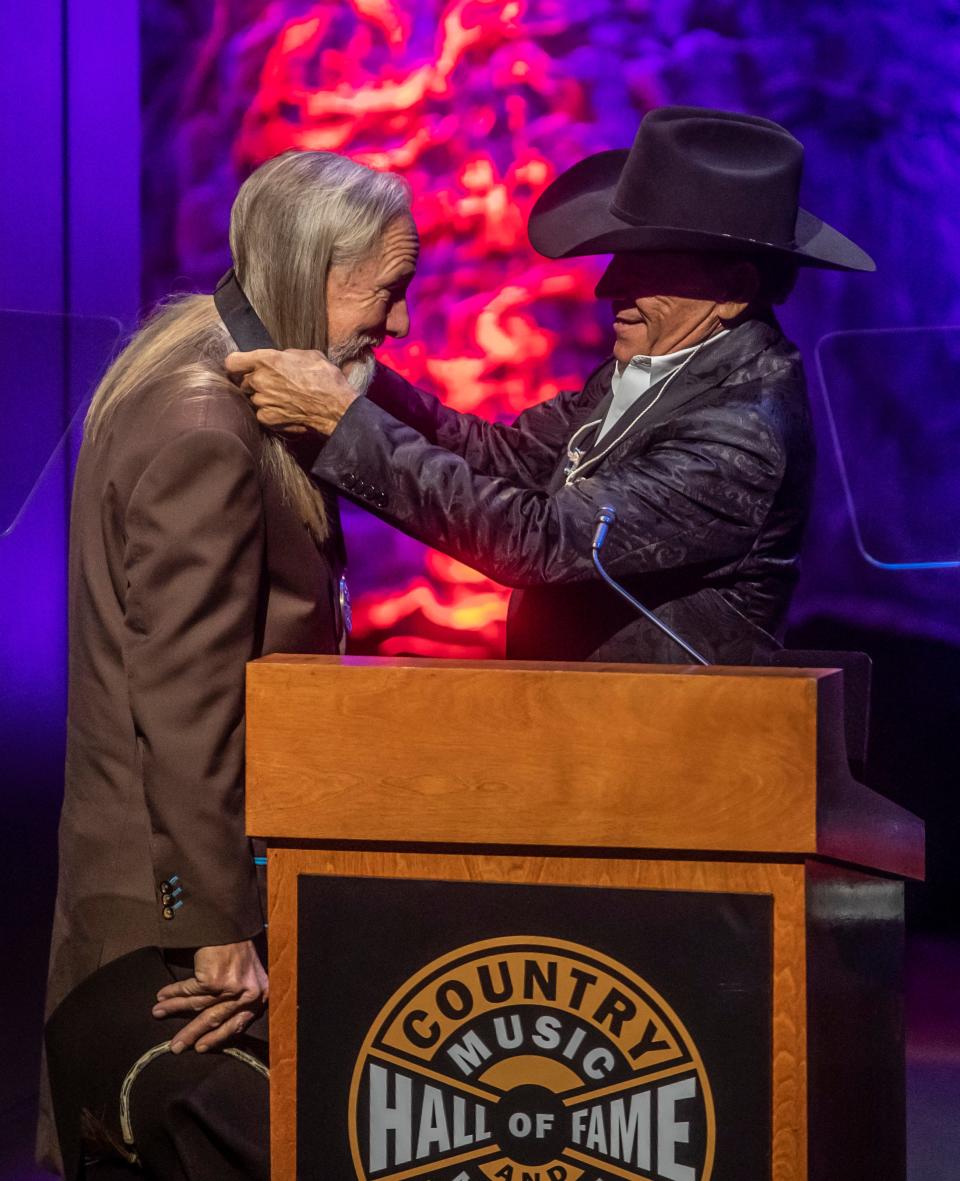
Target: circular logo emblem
{"x": 530, "y": 1059}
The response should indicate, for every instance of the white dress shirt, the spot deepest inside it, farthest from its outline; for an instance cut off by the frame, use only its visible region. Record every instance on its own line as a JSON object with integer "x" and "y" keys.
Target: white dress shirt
{"x": 632, "y": 381}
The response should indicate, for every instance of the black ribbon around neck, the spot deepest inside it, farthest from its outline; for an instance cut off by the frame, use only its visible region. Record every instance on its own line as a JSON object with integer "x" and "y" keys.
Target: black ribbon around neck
{"x": 236, "y": 311}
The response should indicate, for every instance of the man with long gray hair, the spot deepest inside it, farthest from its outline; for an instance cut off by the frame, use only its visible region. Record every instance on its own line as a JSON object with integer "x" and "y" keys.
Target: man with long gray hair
{"x": 198, "y": 542}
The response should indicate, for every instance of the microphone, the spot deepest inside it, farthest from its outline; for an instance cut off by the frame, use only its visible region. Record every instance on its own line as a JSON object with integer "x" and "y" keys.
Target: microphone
{"x": 604, "y": 520}
{"x": 606, "y": 516}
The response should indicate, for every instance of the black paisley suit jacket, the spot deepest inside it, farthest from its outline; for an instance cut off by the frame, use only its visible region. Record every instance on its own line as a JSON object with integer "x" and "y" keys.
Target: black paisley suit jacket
{"x": 711, "y": 483}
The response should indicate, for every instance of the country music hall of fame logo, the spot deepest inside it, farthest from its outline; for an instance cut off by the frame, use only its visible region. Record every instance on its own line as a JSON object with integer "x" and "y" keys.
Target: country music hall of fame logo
{"x": 530, "y": 1059}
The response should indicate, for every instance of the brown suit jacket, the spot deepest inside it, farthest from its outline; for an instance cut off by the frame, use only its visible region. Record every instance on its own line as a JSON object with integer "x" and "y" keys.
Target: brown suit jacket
{"x": 185, "y": 563}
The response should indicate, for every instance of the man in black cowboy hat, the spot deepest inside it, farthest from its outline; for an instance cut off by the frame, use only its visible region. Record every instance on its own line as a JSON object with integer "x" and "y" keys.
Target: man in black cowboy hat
{"x": 696, "y": 431}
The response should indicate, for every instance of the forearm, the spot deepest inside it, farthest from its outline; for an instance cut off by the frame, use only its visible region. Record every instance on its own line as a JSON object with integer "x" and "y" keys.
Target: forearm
{"x": 294, "y": 391}
{"x": 202, "y": 858}
{"x": 674, "y": 508}
{"x": 516, "y": 453}
{"x": 193, "y": 565}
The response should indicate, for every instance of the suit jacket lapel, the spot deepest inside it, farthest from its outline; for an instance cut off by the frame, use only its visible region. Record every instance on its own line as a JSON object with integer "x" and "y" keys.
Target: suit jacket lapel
{"x": 706, "y": 370}
{"x": 594, "y": 413}
{"x": 642, "y": 407}
{"x": 712, "y": 365}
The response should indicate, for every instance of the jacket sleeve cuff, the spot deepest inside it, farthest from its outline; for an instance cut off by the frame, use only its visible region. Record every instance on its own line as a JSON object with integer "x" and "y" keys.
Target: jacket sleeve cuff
{"x": 188, "y": 916}
{"x": 355, "y": 459}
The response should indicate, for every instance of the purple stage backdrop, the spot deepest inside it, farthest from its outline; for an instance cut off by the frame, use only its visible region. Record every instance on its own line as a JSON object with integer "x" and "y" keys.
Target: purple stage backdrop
{"x": 479, "y": 103}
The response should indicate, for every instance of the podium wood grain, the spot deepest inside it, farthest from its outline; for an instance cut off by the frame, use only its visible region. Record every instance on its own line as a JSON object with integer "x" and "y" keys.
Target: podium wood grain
{"x": 460, "y": 756}
{"x": 603, "y": 756}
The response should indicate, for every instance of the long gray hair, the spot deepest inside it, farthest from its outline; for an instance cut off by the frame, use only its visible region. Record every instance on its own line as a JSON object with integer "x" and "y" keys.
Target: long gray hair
{"x": 293, "y": 219}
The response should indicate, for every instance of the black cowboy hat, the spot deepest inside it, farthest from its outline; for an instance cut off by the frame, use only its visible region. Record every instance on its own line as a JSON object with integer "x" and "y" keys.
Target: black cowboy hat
{"x": 120, "y": 1094}
{"x": 695, "y": 179}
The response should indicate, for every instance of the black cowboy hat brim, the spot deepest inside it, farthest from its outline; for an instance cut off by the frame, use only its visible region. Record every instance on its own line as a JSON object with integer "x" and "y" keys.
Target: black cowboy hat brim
{"x": 572, "y": 217}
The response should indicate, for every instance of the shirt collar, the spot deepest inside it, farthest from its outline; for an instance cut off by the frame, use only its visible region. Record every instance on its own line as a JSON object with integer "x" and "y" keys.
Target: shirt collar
{"x": 657, "y": 368}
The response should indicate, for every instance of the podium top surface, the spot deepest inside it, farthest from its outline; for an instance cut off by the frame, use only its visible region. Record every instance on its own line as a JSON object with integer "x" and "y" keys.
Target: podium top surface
{"x": 563, "y": 756}
{"x": 501, "y": 667}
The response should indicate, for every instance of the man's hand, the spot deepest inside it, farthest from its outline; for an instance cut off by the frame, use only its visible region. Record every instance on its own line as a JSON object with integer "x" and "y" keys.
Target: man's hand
{"x": 293, "y": 390}
{"x": 228, "y": 988}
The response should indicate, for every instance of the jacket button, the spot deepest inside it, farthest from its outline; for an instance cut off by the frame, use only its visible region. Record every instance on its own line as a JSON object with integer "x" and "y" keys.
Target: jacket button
{"x": 165, "y": 887}
{"x": 168, "y": 912}
{"x": 349, "y": 480}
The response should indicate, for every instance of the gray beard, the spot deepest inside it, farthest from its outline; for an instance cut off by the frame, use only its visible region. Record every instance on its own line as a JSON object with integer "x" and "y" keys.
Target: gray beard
{"x": 357, "y": 362}
{"x": 361, "y": 372}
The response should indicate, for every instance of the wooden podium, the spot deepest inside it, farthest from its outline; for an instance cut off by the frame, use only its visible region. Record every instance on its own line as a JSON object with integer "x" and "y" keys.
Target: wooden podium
{"x": 545, "y": 922}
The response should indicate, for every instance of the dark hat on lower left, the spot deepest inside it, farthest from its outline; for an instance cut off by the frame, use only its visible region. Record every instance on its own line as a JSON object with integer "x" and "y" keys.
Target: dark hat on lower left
{"x": 114, "y": 1082}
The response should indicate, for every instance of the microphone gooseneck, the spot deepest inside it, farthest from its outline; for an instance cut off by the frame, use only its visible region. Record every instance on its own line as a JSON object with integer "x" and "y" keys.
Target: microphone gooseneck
{"x": 604, "y": 520}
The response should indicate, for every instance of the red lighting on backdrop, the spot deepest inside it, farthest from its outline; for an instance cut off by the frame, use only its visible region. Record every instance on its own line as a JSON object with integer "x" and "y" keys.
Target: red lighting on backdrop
{"x": 468, "y": 106}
